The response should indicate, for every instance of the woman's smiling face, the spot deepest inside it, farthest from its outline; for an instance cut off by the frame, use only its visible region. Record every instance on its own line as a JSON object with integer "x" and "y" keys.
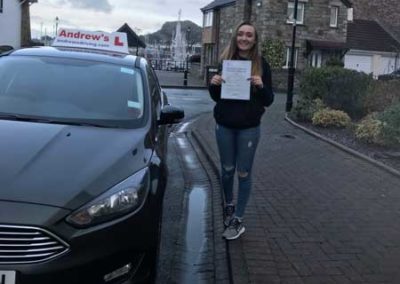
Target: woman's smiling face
{"x": 246, "y": 38}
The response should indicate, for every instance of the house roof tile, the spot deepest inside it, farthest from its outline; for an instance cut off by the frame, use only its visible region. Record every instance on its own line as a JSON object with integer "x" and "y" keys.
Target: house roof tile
{"x": 369, "y": 35}
{"x": 326, "y": 45}
{"x": 217, "y": 4}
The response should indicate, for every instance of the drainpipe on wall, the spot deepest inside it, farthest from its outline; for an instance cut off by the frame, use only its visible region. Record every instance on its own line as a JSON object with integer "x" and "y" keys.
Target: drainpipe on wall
{"x": 216, "y": 31}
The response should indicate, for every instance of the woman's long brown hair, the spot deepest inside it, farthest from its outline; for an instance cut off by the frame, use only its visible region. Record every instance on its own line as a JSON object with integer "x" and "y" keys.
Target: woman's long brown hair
{"x": 232, "y": 50}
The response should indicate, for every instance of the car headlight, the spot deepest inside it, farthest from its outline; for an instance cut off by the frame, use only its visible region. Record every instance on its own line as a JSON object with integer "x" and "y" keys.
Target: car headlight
{"x": 125, "y": 197}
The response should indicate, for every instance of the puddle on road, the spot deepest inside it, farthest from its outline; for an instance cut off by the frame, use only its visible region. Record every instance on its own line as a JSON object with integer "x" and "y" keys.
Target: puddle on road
{"x": 182, "y": 127}
{"x": 195, "y": 237}
{"x": 197, "y": 183}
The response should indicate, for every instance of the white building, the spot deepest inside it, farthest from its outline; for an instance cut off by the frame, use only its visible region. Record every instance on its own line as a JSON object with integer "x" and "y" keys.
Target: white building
{"x": 372, "y": 50}
{"x": 15, "y": 22}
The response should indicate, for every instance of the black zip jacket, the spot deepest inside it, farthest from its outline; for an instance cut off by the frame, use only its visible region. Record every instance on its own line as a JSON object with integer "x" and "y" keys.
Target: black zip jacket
{"x": 244, "y": 114}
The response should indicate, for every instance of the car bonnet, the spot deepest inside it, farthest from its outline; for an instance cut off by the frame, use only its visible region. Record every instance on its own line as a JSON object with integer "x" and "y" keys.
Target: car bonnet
{"x": 66, "y": 166}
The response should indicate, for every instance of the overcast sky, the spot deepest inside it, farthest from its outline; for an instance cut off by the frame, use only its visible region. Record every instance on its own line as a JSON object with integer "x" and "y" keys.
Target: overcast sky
{"x": 143, "y": 16}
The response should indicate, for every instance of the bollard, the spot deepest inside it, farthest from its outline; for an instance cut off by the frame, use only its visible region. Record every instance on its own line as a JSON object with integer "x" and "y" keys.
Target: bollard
{"x": 185, "y": 74}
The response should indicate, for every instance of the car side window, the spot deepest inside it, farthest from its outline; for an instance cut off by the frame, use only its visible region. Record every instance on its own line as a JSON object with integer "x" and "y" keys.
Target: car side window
{"x": 154, "y": 91}
{"x": 154, "y": 86}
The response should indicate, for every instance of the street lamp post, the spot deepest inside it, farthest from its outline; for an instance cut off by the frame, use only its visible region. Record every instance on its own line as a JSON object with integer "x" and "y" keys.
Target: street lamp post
{"x": 292, "y": 69}
{"x": 185, "y": 75}
{"x": 57, "y": 20}
{"x": 188, "y": 31}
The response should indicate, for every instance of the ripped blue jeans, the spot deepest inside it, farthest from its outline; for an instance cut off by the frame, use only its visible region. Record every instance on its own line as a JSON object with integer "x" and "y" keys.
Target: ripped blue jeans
{"x": 237, "y": 148}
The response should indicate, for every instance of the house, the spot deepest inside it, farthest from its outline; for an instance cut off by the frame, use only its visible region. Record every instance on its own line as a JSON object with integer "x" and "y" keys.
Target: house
{"x": 321, "y": 27}
{"x": 218, "y": 20}
{"x": 371, "y": 48}
{"x": 15, "y": 30}
{"x": 134, "y": 42}
{"x": 385, "y": 12}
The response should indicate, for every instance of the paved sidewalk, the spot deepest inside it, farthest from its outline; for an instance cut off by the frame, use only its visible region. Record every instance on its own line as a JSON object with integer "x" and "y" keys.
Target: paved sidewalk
{"x": 171, "y": 79}
{"x": 316, "y": 214}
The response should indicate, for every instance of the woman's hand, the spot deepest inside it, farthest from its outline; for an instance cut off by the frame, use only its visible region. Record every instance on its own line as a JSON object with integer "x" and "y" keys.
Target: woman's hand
{"x": 216, "y": 80}
{"x": 257, "y": 81}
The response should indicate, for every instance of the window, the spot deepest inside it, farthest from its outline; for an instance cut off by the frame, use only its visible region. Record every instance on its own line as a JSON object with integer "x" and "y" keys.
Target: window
{"x": 209, "y": 54}
{"x": 316, "y": 59}
{"x": 300, "y": 13}
{"x": 350, "y": 14}
{"x": 334, "y": 16}
{"x": 1, "y": 6}
{"x": 155, "y": 94}
{"x": 208, "y": 19}
{"x": 41, "y": 87}
{"x": 288, "y": 54}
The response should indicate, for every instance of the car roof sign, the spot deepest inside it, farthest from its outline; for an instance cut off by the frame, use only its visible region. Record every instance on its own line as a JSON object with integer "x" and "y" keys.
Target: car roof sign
{"x": 114, "y": 42}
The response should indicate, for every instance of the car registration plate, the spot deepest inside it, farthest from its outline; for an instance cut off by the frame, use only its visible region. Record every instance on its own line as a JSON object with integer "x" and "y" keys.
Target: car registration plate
{"x": 7, "y": 277}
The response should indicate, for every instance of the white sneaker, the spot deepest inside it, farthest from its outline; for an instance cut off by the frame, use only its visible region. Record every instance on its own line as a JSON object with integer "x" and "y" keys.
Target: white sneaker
{"x": 234, "y": 230}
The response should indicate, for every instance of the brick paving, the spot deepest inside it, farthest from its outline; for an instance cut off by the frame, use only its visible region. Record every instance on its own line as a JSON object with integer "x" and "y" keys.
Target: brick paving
{"x": 316, "y": 214}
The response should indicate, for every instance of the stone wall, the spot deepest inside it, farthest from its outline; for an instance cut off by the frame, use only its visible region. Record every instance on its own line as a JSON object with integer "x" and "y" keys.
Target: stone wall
{"x": 270, "y": 18}
{"x": 240, "y": 10}
{"x": 280, "y": 80}
{"x": 271, "y": 21}
{"x": 225, "y": 21}
{"x": 228, "y": 23}
{"x": 386, "y": 12}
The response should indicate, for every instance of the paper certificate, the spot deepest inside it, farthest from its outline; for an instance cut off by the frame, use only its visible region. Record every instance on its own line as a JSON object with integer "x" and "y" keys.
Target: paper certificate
{"x": 236, "y": 84}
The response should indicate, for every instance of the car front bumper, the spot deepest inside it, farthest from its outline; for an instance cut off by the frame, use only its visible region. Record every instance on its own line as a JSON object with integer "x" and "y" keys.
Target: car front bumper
{"x": 93, "y": 252}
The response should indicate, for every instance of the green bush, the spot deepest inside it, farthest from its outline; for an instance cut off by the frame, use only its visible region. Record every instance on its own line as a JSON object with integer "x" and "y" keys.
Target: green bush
{"x": 273, "y": 51}
{"x": 339, "y": 88}
{"x": 305, "y": 109}
{"x": 313, "y": 83}
{"x": 334, "y": 61}
{"x": 369, "y": 129}
{"x": 391, "y": 125}
{"x": 381, "y": 95}
{"x": 347, "y": 90}
{"x": 331, "y": 118}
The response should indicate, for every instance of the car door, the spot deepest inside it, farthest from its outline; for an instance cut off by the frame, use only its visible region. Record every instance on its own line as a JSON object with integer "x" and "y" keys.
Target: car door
{"x": 159, "y": 136}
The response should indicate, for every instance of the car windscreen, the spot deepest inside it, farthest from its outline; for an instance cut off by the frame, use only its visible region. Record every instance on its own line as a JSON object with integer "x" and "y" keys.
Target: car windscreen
{"x": 71, "y": 91}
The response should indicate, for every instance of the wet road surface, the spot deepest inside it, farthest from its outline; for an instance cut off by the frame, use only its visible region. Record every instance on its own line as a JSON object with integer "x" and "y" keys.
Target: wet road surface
{"x": 194, "y": 102}
{"x": 196, "y": 187}
{"x": 186, "y": 249}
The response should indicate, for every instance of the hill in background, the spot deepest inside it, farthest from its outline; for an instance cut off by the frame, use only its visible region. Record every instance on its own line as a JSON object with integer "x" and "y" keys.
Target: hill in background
{"x": 164, "y": 35}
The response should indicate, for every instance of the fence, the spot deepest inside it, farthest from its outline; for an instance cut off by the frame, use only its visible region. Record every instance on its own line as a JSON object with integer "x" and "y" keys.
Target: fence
{"x": 170, "y": 65}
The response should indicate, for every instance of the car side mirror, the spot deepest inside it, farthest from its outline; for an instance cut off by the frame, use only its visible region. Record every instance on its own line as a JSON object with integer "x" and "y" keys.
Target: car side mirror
{"x": 170, "y": 115}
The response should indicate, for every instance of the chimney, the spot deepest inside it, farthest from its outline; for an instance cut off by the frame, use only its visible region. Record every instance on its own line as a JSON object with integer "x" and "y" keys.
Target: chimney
{"x": 26, "y": 22}
{"x": 243, "y": 10}
{"x": 247, "y": 10}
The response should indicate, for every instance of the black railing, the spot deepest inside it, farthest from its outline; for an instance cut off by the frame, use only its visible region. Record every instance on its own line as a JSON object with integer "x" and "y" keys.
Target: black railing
{"x": 170, "y": 65}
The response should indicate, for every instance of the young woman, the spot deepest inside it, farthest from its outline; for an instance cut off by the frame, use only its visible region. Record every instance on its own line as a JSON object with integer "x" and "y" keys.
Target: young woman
{"x": 238, "y": 124}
